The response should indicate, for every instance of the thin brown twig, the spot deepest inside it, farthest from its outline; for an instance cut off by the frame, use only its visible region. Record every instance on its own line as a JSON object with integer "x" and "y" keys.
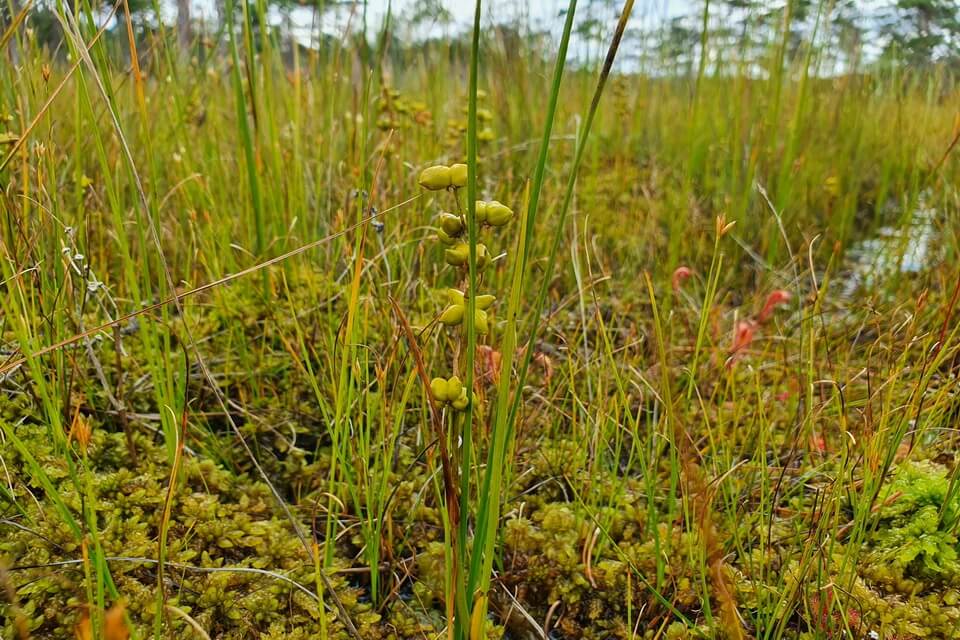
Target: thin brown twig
{"x": 947, "y": 317}
{"x": 946, "y": 154}
{"x": 449, "y": 481}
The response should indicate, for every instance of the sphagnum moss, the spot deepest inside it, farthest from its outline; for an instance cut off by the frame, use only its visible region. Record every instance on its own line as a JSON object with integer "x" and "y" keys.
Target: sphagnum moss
{"x": 905, "y": 587}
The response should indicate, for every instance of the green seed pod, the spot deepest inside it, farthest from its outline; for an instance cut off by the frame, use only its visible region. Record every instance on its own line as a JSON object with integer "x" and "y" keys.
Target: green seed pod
{"x": 498, "y": 214}
{"x": 451, "y": 224}
{"x": 486, "y": 135}
{"x": 455, "y": 296}
{"x": 460, "y": 404}
{"x": 438, "y": 388}
{"x": 484, "y": 301}
{"x": 435, "y": 178}
{"x": 481, "y": 211}
{"x": 480, "y": 322}
{"x": 454, "y": 388}
{"x": 445, "y": 239}
{"x": 458, "y": 255}
{"x": 484, "y": 115}
{"x": 452, "y": 315}
{"x": 458, "y": 175}
{"x": 483, "y": 256}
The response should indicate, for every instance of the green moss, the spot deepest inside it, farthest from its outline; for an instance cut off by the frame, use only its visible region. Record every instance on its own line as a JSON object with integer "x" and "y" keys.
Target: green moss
{"x": 912, "y": 544}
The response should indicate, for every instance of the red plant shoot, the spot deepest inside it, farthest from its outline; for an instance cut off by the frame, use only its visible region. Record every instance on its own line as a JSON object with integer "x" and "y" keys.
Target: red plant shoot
{"x": 774, "y": 300}
{"x": 680, "y": 276}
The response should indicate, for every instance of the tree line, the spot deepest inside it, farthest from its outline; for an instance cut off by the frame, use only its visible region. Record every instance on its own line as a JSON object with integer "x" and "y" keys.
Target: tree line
{"x": 848, "y": 33}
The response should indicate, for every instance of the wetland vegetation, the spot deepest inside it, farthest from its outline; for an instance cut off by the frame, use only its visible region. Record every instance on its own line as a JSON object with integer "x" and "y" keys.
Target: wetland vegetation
{"x": 603, "y": 326}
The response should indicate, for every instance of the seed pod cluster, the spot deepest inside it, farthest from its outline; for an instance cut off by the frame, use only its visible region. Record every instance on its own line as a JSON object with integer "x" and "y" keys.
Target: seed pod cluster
{"x": 452, "y": 226}
{"x": 450, "y": 391}
{"x": 440, "y": 177}
{"x": 459, "y": 255}
{"x": 457, "y": 127}
{"x": 493, "y": 213}
{"x": 456, "y": 310}
{"x": 394, "y": 110}
{"x": 451, "y": 231}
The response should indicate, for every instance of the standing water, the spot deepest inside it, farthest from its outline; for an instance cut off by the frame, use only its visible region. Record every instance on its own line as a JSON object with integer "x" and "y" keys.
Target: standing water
{"x": 894, "y": 250}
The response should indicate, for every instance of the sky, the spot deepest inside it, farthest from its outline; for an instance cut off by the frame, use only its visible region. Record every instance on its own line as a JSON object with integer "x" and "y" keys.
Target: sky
{"x": 462, "y": 10}
{"x": 541, "y": 13}
{"x": 305, "y": 24}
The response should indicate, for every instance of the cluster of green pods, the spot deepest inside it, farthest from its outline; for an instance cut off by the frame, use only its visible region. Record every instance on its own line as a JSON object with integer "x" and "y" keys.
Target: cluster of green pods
{"x": 451, "y": 232}
{"x": 452, "y": 228}
{"x": 456, "y": 310}
{"x": 450, "y": 391}
{"x": 440, "y": 177}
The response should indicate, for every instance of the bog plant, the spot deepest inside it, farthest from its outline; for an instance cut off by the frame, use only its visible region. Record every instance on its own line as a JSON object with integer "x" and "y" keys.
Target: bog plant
{"x": 467, "y": 313}
{"x": 457, "y": 128}
{"x": 450, "y": 234}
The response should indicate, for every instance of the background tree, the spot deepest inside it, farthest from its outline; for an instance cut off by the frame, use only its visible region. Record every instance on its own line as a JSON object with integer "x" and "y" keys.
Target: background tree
{"x": 921, "y": 32}
{"x": 183, "y": 23}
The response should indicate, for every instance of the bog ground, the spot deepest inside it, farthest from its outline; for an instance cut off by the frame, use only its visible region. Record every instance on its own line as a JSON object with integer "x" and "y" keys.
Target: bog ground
{"x": 398, "y": 335}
